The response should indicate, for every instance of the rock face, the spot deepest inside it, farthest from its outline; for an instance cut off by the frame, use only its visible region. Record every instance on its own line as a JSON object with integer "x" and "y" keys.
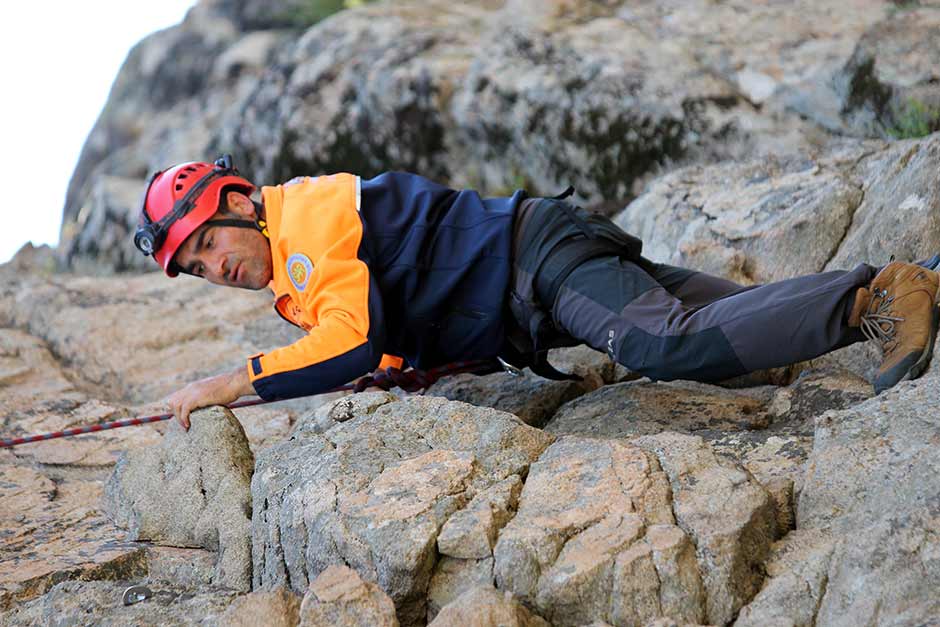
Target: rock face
{"x": 279, "y": 608}
{"x": 766, "y": 429}
{"x": 899, "y": 213}
{"x": 578, "y": 549}
{"x": 339, "y": 597}
{"x": 596, "y": 531}
{"x": 595, "y": 538}
{"x": 50, "y": 526}
{"x": 82, "y": 350}
{"x": 74, "y": 602}
{"x": 530, "y": 397}
{"x": 452, "y": 577}
{"x": 764, "y": 221}
{"x": 728, "y": 514}
{"x": 866, "y": 543}
{"x": 424, "y": 497}
{"x": 889, "y": 85}
{"x": 646, "y": 408}
{"x": 753, "y": 223}
{"x": 471, "y": 532}
{"x": 764, "y": 135}
{"x": 797, "y": 571}
{"x": 597, "y": 114}
{"x": 872, "y": 480}
{"x": 482, "y": 93}
{"x": 487, "y": 607}
{"x": 374, "y": 492}
{"x": 192, "y": 490}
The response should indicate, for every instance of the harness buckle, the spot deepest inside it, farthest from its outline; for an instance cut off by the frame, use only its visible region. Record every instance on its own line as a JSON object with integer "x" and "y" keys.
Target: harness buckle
{"x": 508, "y": 367}
{"x": 136, "y": 594}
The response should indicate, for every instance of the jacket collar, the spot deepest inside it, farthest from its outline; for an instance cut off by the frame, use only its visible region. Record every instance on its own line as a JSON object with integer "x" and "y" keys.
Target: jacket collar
{"x": 273, "y": 200}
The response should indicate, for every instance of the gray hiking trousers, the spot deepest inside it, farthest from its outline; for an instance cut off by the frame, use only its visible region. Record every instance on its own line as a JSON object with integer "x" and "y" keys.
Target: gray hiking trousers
{"x": 667, "y": 322}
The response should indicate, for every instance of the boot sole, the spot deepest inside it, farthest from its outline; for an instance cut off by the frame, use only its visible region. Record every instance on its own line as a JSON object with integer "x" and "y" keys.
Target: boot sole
{"x": 923, "y": 359}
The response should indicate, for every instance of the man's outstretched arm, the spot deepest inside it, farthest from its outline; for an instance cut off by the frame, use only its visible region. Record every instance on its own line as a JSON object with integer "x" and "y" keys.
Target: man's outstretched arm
{"x": 333, "y": 353}
{"x": 341, "y": 300}
{"x": 221, "y": 389}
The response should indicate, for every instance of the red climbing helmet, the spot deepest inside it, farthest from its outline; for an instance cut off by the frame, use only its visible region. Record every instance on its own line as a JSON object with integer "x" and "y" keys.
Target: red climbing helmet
{"x": 177, "y": 201}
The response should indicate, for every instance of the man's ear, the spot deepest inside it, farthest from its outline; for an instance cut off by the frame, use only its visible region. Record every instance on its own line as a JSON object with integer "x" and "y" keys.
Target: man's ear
{"x": 240, "y": 204}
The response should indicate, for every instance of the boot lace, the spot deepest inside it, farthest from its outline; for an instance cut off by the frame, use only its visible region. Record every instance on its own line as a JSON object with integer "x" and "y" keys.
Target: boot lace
{"x": 876, "y": 323}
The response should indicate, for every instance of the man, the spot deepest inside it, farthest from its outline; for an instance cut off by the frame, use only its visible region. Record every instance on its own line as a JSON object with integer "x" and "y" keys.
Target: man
{"x": 398, "y": 271}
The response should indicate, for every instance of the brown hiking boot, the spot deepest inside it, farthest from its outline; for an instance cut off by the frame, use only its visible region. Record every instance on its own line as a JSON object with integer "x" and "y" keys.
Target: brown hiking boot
{"x": 898, "y": 310}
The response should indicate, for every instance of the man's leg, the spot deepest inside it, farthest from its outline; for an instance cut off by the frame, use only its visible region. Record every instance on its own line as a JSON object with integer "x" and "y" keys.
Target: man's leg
{"x": 692, "y": 287}
{"x": 616, "y": 306}
{"x": 670, "y": 323}
{"x": 696, "y": 288}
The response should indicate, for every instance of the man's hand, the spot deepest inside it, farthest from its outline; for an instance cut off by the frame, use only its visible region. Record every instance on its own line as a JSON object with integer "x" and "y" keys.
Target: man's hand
{"x": 218, "y": 390}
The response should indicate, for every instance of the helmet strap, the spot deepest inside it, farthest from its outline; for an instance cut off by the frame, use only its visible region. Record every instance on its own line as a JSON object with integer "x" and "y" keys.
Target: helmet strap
{"x": 258, "y": 225}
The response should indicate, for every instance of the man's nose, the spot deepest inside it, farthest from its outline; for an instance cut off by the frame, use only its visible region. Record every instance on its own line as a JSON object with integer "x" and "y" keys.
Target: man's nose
{"x": 220, "y": 266}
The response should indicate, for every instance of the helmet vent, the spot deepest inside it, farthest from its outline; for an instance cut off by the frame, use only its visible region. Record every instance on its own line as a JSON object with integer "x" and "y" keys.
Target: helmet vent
{"x": 179, "y": 187}
{"x": 182, "y": 176}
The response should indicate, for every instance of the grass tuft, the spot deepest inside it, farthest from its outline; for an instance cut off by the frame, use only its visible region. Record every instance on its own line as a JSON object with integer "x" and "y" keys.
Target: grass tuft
{"x": 917, "y": 119}
{"x": 314, "y": 11}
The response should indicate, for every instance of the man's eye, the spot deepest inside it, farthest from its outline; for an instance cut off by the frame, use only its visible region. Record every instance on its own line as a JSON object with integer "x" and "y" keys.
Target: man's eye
{"x": 201, "y": 270}
{"x": 209, "y": 243}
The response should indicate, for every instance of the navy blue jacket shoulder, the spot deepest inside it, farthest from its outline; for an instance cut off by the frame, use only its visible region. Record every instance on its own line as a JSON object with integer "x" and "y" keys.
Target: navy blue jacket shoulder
{"x": 441, "y": 258}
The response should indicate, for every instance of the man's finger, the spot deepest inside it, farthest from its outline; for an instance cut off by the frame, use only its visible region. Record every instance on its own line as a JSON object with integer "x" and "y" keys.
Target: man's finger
{"x": 185, "y": 408}
{"x": 171, "y": 404}
{"x": 176, "y": 409}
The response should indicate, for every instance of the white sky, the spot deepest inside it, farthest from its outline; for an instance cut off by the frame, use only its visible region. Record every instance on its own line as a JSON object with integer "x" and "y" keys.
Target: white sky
{"x": 57, "y": 63}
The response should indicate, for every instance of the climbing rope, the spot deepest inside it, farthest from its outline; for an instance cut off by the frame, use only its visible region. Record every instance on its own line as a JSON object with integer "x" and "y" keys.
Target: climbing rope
{"x": 409, "y": 380}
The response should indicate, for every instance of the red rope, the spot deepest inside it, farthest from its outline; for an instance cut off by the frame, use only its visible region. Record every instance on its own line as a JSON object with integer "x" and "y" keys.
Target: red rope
{"x": 409, "y": 380}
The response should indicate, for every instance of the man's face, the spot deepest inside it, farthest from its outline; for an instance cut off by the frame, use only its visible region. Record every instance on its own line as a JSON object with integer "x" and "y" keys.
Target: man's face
{"x": 228, "y": 255}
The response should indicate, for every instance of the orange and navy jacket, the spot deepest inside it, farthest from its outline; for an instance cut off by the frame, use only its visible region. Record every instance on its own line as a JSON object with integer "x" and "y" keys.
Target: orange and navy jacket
{"x": 395, "y": 266}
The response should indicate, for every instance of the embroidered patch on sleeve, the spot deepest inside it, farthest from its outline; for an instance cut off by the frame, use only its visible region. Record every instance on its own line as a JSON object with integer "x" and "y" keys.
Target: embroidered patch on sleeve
{"x": 299, "y": 269}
